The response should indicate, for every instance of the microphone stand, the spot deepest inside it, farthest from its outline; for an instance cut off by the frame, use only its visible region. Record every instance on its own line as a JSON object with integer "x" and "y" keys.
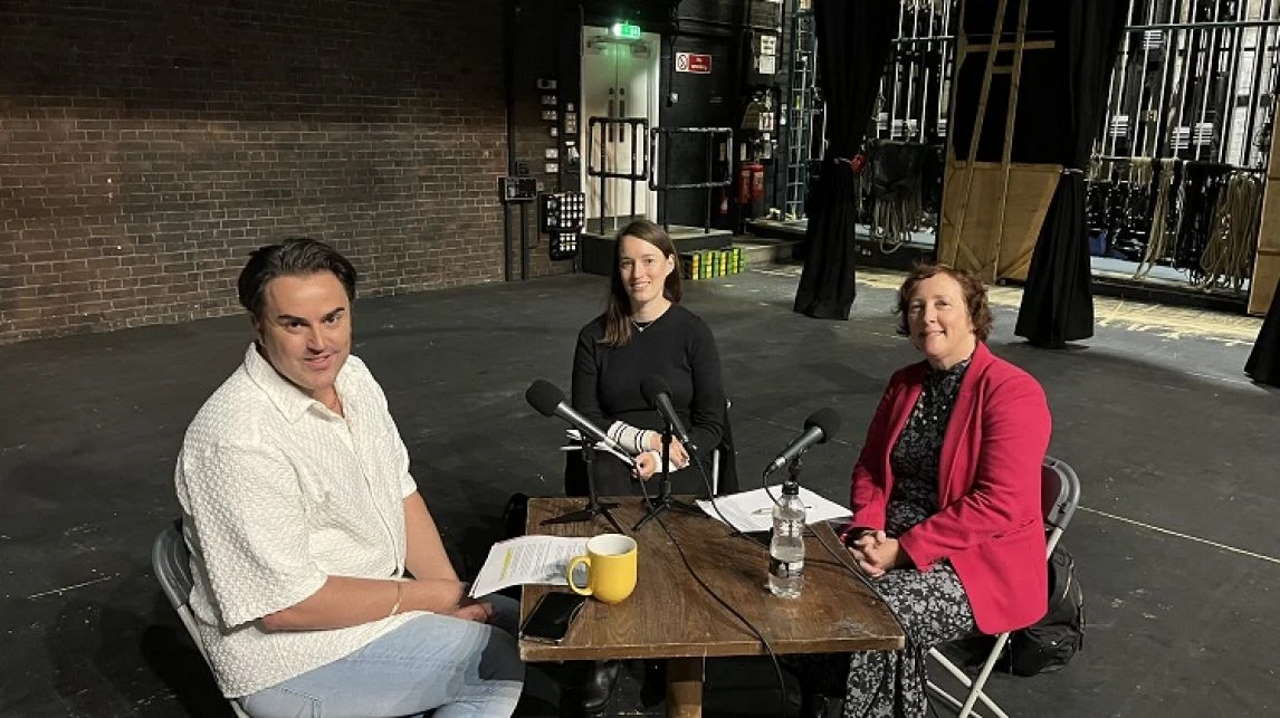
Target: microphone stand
{"x": 664, "y": 500}
{"x": 793, "y": 469}
{"x": 594, "y": 506}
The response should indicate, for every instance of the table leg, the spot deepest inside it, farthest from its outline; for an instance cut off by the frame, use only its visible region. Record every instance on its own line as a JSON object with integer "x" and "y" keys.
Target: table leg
{"x": 684, "y": 687}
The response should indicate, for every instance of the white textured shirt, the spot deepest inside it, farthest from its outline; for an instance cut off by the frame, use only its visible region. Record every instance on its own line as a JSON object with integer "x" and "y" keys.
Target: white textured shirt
{"x": 278, "y": 493}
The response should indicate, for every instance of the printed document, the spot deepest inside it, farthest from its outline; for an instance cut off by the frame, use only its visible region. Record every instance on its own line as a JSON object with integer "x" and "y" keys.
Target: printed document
{"x": 527, "y": 559}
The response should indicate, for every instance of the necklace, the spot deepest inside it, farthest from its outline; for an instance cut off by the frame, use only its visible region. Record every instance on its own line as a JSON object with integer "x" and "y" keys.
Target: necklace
{"x": 641, "y": 326}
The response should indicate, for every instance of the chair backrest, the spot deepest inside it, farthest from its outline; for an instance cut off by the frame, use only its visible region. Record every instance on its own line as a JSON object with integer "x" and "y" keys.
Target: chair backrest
{"x": 172, "y": 565}
{"x": 171, "y": 562}
{"x": 1059, "y": 493}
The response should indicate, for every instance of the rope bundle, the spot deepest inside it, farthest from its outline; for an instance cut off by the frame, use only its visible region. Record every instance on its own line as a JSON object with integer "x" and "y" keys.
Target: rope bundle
{"x": 1228, "y": 257}
{"x": 893, "y": 218}
{"x": 1158, "y": 237}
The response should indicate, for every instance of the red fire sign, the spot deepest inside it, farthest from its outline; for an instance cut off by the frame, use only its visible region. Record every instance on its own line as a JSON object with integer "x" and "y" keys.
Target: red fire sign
{"x": 693, "y": 62}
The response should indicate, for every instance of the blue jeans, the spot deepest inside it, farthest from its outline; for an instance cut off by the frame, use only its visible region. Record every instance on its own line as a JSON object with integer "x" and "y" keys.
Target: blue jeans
{"x": 432, "y": 663}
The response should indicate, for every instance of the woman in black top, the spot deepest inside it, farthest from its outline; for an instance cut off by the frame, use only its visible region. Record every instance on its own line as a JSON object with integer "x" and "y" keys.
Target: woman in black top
{"x": 645, "y": 332}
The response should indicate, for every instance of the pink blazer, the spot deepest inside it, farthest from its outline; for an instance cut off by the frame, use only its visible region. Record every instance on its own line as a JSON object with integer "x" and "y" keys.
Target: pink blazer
{"x": 989, "y": 522}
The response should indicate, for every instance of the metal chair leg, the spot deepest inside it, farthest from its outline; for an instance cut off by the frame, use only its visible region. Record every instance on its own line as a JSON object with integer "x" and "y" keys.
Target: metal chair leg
{"x": 975, "y": 687}
{"x": 948, "y": 698}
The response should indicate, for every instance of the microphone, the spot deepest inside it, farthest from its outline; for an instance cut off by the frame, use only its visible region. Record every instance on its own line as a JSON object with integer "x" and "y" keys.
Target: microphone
{"x": 819, "y": 427}
{"x": 657, "y": 392}
{"x": 549, "y": 401}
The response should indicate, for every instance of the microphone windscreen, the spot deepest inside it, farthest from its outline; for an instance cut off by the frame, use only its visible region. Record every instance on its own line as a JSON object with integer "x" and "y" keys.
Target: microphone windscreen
{"x": 653, "y": 385}
{"x": 826, "y": 419}
{"x": 544, "y": 396}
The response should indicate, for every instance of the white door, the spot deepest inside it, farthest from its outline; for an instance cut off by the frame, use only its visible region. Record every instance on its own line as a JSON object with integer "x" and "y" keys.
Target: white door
{"x": 619, "y": 80}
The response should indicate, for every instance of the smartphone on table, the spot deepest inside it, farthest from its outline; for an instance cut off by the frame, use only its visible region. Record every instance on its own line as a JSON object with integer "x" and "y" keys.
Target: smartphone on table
{"x": 551, "y": 617}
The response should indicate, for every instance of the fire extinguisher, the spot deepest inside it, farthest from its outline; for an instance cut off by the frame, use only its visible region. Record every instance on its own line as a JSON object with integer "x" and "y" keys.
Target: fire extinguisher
{"x": 757, "y": 181}
{"x": 744, "y": 182}
{"x": 750, "y": 185}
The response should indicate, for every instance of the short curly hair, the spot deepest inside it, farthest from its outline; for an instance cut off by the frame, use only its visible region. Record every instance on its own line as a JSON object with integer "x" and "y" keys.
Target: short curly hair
{"x": 975, "y": 297}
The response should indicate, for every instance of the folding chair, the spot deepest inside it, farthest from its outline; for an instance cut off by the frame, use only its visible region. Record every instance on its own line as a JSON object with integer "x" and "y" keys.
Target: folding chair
{"x": 172, "y": 565}
{"x": 718, "y": 455}
{"x": 1059, "y": 497}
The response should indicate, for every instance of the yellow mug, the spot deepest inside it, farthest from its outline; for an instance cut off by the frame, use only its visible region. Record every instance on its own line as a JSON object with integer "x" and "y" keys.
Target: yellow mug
{"x": 611, "y": 568}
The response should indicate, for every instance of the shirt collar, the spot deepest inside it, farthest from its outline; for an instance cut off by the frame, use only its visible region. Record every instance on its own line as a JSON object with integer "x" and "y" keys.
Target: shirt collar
{"x": 956, "y": 369}
{"x": 288, "y": 399}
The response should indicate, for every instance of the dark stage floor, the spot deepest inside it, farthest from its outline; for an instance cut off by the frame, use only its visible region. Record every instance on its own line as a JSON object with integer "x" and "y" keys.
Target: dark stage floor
{"x": 1177, "y": 545}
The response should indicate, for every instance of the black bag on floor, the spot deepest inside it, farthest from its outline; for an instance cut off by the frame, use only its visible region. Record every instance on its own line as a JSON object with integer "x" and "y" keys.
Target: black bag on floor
{"x": 1050, "y": 643}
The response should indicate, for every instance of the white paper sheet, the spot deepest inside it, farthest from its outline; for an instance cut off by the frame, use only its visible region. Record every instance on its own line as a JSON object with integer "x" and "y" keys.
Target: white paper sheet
{"x": 753, "y": 510}
{"x": 527, "y": 559}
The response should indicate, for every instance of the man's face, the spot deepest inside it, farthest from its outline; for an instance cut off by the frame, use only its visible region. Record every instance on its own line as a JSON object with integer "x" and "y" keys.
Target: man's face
{"x": 305, "y": 330}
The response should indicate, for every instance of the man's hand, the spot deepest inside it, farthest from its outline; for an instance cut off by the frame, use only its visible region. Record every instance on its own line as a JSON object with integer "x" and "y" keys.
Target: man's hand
{"x": 472, "y": 610}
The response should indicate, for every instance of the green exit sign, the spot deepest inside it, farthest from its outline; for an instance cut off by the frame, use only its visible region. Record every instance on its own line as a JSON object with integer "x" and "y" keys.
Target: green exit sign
{"x": 626, "y": 30}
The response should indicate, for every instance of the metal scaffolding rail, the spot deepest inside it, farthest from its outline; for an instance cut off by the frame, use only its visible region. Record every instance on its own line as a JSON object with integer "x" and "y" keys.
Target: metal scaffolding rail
{"x": 912, "y": 102}
{"x": 801, "y": 106}
{"x": 1194, "y": 81}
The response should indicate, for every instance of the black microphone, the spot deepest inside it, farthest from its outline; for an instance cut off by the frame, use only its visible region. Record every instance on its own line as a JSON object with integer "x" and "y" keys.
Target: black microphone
{"x": 549, "y": 401}
{"x": 657, "y": 392}
{"x": 819, "y": 427}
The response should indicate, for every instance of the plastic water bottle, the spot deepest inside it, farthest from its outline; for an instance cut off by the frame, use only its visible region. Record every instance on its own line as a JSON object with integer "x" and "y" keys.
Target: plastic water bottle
{"x": 786, "y": 548}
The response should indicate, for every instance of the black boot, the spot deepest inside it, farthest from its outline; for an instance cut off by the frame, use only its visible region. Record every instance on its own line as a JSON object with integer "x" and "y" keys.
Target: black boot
{"x": 598, "y": 686}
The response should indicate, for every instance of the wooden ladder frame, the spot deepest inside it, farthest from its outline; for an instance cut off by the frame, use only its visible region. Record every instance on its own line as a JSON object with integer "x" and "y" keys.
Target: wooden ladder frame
{"x": 989, "y": 271}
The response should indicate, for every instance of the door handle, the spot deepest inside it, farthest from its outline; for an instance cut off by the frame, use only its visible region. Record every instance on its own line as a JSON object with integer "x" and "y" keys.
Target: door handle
{"x": 608, "y": 127}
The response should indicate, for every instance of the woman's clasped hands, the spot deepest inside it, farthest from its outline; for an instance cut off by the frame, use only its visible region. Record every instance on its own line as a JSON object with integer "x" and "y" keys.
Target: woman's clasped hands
{"x": 877, "y": 553}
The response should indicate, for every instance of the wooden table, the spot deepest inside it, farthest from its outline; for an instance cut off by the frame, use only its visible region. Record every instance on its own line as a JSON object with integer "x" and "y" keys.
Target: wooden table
{"x": 670, "y": 616}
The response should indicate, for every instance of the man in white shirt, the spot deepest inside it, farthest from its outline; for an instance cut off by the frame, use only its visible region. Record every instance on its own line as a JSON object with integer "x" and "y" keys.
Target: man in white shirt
{"x": 302, "y": 519}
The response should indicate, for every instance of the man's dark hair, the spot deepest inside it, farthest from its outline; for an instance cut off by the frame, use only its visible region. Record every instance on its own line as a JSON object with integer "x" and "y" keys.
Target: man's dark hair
{"x": 294, "y": 256}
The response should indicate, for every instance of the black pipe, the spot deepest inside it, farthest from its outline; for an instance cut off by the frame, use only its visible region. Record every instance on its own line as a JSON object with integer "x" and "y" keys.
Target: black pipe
{"x": 666, "y": 173}
{"x": 508, "y": 60}
{"x": 667, "y": 48}
{"x": 634, "y": 127}
{"x": 740, "y": 110}
{"x": 745, "y": 24}
{"x": 524, "y": 242}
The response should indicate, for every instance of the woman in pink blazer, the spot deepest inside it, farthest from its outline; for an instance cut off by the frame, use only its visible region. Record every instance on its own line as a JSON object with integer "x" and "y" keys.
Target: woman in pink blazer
{"x": 946, "y": 492}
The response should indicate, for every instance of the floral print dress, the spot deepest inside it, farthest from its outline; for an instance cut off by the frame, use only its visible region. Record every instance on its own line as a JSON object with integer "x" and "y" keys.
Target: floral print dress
{"x": 932, "y": 604}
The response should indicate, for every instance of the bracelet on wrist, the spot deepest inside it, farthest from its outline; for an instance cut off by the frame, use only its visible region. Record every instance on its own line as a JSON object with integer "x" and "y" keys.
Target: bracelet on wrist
{"x": 399, "y": 597}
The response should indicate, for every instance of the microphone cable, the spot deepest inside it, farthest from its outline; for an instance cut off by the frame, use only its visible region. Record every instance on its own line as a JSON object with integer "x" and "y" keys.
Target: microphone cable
{"x": 858, "y": 574}
{"x": 777, "y": 667}
{"x": 735, "y": 533}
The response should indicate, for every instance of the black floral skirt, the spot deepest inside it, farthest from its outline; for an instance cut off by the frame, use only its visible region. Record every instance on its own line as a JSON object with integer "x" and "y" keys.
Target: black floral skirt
{"x": 934, "y": 609}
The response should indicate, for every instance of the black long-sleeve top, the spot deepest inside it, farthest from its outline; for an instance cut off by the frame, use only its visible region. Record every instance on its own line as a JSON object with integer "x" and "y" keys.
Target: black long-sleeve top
{"x": 679, "y": 347}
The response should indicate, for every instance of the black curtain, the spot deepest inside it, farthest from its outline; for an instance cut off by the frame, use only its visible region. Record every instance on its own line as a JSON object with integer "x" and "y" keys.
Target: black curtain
{"x": 1057, "y": 302}
{"x": 853, "y": 45}
{"x": 1264, "y": 361}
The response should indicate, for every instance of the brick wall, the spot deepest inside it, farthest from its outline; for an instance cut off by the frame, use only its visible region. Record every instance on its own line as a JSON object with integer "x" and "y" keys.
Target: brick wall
{"x": 146, "y": 147}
